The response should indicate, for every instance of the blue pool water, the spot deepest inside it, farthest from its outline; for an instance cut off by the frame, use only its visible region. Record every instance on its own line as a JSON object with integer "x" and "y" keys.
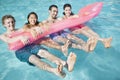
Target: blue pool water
{"x": 101, "y": 64}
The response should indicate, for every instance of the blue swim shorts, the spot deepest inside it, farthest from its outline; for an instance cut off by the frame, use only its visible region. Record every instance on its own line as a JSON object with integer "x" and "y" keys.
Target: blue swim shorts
{"x": 54, "y": 36}
{"x": 64, "y": 34}
{"x": 24, "y": 53}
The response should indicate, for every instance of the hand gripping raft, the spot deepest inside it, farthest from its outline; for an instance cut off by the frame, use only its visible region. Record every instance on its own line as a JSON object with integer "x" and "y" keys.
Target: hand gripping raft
{"x": 85, "y": 14}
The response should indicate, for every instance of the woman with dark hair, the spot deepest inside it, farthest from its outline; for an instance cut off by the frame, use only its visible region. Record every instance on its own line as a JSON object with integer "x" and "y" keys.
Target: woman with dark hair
{"x": 83, "y": 29}
{"x": 64, "y": 36}
{"x": 33, "y": 53}
{"x": 34, "y": 27}
{"x": 67, "y": 5}
{"x": 35, "y": 16}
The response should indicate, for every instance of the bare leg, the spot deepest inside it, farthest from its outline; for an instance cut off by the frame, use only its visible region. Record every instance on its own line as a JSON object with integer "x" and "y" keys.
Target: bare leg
{"x": 89, "y": 46}
{"x": 90, "y": 33}
{"x": 53, "y": 44}
{"x": 70, "y": 61}
{"x": 50, "y": 57}
{"x": 93, "y": 43}
{"x": 52, "y": 41}
{"x": 80, "y": 43}
{"x": 105, "y": 41}
{"x": 85, "y": 47}
{"x": 73, "y": 37}
{"x": 40, "y": 64}
{"x": 61, "y": 39}
{"x": 82, "y": 31}
{"x": 86, "y": 31}
{"x": 77, "y": 46}
{"x": 48, "y": 42}
{"x": 66, "y": 43}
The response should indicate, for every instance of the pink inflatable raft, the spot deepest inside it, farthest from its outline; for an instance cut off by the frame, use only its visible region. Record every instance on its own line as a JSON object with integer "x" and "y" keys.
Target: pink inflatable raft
{"x": 85, "y": 14}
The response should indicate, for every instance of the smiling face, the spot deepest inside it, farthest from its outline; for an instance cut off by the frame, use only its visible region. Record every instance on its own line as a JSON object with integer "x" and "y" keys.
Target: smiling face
{"x": 9, "y": 24}
{"x": 53, "y": 12}
{"x": 67, "y": 11}
{"x": 32, "y": 19}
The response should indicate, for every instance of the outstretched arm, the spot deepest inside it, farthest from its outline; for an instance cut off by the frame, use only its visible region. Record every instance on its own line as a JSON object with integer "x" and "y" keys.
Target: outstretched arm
{"x": 6, "y": 39}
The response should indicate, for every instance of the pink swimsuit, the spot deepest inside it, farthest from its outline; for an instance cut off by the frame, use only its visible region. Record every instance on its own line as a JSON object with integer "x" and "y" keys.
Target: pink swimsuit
{"x": 77, "y": 27}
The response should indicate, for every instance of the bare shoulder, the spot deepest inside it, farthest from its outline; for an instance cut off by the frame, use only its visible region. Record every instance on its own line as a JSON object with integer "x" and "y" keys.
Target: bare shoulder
{"x": 44, "y": 22}
{"x": 75, "y": 16}
{"x": 41, "y": 23}
{"x": 26, "y": 27}
{"x": 60, "y": 18}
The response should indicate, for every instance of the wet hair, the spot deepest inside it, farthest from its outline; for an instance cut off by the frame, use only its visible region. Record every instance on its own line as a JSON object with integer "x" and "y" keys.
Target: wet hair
{"x": 6, "y": 17}
{"x": 67, "y": 5}
{"x": 37, "y": 22}
{"x": 52, "y": 7}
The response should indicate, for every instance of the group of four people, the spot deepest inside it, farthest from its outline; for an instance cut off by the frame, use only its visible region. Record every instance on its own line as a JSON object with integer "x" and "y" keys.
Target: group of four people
{"x": 34, "y": 52}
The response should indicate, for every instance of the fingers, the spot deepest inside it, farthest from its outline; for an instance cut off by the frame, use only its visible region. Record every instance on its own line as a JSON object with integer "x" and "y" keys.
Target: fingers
{"x": 25, "y": 40}
{"x": 37, "y": 31}
{"x": 34, "y": 34}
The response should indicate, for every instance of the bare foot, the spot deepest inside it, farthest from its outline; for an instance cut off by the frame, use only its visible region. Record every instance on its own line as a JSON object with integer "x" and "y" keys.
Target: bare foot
{"x": 71, "y": 61}
{"x": 59, "y": 71}
{"x": 107, "y": 42}
{"x": 65, "y": 48}
{"x": 93, "y": 43}
{"x": 87, "y": 46}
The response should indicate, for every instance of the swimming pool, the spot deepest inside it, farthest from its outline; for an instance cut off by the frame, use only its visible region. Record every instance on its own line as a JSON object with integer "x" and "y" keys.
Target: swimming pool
{"x": 101, "y": 64}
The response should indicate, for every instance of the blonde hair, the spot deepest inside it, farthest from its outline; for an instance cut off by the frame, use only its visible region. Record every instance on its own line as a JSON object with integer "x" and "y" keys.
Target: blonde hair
{"x": 6, "y": 17}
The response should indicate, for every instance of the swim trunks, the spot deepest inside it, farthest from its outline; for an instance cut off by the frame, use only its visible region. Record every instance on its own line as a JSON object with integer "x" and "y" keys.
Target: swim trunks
{"x": 54, "y": 36}
{"x": 24, "y": 53}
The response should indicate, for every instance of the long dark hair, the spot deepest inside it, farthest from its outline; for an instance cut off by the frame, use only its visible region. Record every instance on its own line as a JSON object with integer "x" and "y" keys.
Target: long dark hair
{"x": 37, "y": 22}
{"x": 67, "y": 5}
